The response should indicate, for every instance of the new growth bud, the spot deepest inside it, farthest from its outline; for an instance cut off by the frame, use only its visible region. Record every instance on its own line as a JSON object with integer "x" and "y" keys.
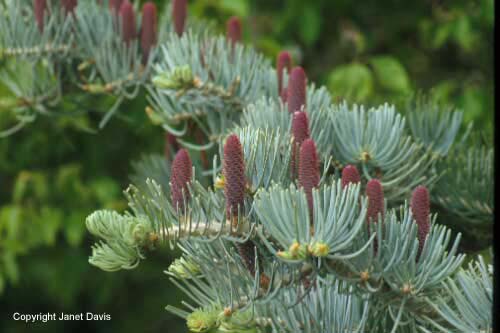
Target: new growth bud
{"x": 309, "y": 171}
{"x": 233, "y": 30}
{"x": 39, "y": 8}
{"x": 420, "y": 209}
{"x": 300, "y": 132}
{"x": 180, "y": 177}
{"x": 179, "y": 14}
{"x": 149, "y": 29}
{"x": 127, "y": 16}
{"x": 283, "y": 62}
{"x": 350, "y": 175}
{"x": 296, "y": 90}
{"x": 234, "y": 176}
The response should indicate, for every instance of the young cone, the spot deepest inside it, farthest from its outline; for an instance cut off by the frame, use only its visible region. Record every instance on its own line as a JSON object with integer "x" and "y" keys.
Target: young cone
{"x": 300, "y": 132}
{"x": 233, "y": 30}
{"x": 350, "y": 175}
{"x": 179, "y": 14}
{"x": 127, "y": 16}
{"x": 296, "y": 90}
{"x": 180, "y": 177}
{"x": 149, "y": 29}
{"x": 234, "y": 177}
{"x": 69, "y": 5}
{"x": 115, "y": 5}
{"x": 39, "y": 8}
{"x": 309, "y": 171}
{"x": 283, "y": 62}
{"x": 420, "y": 208}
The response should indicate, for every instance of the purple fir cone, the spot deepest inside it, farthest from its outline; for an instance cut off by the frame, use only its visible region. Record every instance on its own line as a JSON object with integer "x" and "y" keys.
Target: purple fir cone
{"x": 180, "y": 177}
{"x": 233, "y": 30}
{"x": 420, "y": 209}
{"x": 69, "y": 6}
{"x": 39, "y": 8}
{"x": 309, "y": 171}
{"x": 234, "y": 177}
{"x": 149, "y": 29}
{"x": 127, "y": 16}
{"x": 179, "y": 14}
{"x": 283, "y": 62}
{"x": 350, "y": 175}
{"x": 300, "y": 132}
{"x": 296, "y": 90}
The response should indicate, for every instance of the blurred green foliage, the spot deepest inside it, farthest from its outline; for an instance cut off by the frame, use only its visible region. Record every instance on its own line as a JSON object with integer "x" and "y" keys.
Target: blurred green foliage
{"x": 57, "y": 170}
{"x": 379, "y": 51}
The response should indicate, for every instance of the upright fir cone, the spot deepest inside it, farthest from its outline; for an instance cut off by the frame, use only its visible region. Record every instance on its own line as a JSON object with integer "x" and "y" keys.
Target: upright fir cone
{"x": 115, "y": 5}
{"x": 375, "y": 194}
{"x": 420, "y": 209}
{"x": 39, "y": 8}
{"x": 233, "y": 30}
{"x": 234, "y": 177}
{"x": 180, "y": 177}
{"x": 69, "y": 6}
{"x": 300, "y": 132}
{"x": 179, "y": 14}
{"x": 127, "y": 16}
{"x": 283, "y": 62}
{"x": 149, "y": 29}
{"x": 309, "y": 171}
{"x": 171, "y": 145}
{"x": 296, "y": 90}
{"x": 350, "y": 174}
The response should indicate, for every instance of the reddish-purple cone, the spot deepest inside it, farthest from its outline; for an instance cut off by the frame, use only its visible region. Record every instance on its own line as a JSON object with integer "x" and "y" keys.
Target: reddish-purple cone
{"x": 350, "y": 175}
{"x": 283, "y": 62}
{"x": 300, "y": 132}
{"x": 69, "y": 5}
{"x": 149, "y": 29}
{"x": 127, "y": 16}
{"x": 171, "y": 145}
{"x": 296, "y": 90}
{"x": 39, "y": 8}
{"x": 309, "y": 171}
{"x": 234, "y": 176}
{"x": 115, "y": 5}
{"x": 233, "y": 30}
{"x": 375, "y": 194}
{"x": 420, "y": 209}
{"x": 179, "y": 14}
{"x": 180, "y": 177}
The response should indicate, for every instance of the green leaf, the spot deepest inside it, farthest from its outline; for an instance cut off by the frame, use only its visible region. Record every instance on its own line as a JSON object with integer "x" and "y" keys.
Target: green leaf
{"x": 353, "y": 82}
{"x": 237, "y": 7}
{"x": 310, "y": 24}
{"x": 390, "y": 74}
